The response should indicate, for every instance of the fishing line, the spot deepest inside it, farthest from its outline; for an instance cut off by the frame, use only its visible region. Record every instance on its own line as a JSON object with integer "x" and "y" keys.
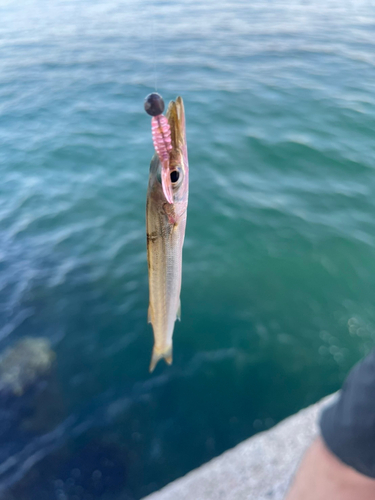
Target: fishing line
{"x": 154, "y": 50}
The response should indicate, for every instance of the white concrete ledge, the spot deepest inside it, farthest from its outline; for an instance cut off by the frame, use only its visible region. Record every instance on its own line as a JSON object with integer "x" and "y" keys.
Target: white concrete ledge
{"x": 260, "y": 468}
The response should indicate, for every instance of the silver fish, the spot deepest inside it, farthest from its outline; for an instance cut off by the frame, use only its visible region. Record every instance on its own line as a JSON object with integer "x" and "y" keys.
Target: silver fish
{"x": 166, "y": 224}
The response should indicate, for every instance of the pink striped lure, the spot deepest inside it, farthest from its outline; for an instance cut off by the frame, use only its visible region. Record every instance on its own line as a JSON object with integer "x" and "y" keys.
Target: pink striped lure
{"x": 161, "y": 137}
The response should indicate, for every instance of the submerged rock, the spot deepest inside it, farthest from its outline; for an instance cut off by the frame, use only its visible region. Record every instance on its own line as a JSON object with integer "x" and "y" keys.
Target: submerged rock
{"x": 24, "y": 364}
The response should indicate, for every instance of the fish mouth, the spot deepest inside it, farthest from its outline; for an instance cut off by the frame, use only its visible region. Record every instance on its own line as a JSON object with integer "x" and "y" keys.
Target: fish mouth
{"x": 178, "y": 154}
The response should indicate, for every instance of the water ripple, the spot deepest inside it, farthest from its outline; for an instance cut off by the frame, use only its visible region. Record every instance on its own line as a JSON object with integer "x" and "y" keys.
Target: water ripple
{"x": 279, "y": 260}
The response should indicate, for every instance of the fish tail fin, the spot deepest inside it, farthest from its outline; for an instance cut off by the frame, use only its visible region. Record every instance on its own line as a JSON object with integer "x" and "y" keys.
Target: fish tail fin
{"x": 157, "y": 356}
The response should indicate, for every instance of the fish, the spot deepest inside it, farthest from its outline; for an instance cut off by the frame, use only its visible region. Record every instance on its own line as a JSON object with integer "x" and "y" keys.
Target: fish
{"x": 166, "y": 211}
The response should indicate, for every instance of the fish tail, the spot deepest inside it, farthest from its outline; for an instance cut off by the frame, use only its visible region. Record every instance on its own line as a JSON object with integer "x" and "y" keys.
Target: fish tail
{"x": 157, "y": 356}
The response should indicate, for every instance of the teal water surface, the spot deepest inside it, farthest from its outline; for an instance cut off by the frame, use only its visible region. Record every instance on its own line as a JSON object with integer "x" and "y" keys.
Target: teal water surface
{"x": 279, "y": 261}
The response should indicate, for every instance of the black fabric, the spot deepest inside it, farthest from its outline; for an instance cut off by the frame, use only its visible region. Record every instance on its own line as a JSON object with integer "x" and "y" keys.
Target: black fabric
{"x": 348, "y": 425}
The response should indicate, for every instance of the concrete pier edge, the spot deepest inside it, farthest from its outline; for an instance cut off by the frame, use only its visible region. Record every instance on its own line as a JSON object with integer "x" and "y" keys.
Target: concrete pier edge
{"x": 259, "y": 468}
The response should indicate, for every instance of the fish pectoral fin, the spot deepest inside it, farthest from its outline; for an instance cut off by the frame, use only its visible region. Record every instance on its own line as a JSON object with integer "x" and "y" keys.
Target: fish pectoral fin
{"x": 157, "y": 356}
{"x": 149, "y": 314}
{"x": 178, "y": 314}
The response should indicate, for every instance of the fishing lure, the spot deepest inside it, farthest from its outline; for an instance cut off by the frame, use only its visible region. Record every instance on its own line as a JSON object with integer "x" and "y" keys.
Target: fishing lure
{"x": 161, "y": 137}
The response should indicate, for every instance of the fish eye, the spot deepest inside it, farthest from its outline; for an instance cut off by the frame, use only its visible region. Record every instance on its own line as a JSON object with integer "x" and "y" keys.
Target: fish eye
{"x": 175, "y": 175}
